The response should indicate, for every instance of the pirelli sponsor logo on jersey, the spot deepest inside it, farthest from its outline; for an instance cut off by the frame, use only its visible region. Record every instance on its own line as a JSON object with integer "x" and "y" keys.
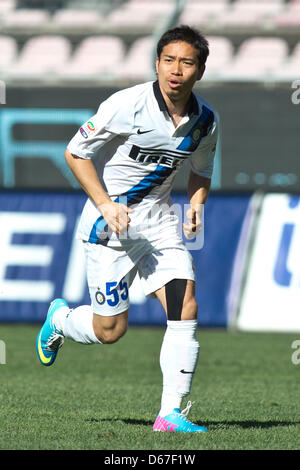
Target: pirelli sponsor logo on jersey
{"x": 168, "y": 158}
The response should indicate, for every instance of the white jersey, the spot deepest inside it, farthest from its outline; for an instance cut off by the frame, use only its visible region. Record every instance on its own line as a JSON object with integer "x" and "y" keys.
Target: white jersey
{"x": 138, "y": 151}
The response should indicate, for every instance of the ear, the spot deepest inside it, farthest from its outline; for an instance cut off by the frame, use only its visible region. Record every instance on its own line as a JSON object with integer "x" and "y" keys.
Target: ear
{"x": 201, "y": 71}
{"x": 156, "y": 64}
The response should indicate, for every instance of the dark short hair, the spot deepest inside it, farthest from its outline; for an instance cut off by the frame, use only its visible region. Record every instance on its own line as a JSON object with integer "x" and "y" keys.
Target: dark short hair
{"x": 187, "y": 34}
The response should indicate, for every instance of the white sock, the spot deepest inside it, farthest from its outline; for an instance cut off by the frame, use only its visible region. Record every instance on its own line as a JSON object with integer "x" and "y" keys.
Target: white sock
{"x": 178, "y": 361}
{"x": 76, "y": 324}
{"x": 59, "y": 317}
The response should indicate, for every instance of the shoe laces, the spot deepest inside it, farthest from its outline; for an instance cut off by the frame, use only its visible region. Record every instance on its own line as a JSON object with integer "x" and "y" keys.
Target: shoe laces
{"x": 54, "y": 342}
{"x": 186, "y": 410}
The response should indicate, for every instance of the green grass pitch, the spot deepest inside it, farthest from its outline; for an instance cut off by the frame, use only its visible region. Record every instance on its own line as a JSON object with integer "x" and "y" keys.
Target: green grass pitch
{"x": 246, "y": 391}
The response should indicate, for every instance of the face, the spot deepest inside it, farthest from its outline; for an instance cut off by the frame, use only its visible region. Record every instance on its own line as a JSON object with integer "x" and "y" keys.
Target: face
{"x": 178, "y": 69}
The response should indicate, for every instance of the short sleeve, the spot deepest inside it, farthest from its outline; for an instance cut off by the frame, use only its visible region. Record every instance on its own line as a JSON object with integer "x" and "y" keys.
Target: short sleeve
{"x": 115, "y": 116}
{"x": 202, "y": 160}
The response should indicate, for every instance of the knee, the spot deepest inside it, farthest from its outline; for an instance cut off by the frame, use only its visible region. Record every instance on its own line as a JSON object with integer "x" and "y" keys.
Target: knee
{"x": 109, "y": 330}
{"x": 110, "y": 335}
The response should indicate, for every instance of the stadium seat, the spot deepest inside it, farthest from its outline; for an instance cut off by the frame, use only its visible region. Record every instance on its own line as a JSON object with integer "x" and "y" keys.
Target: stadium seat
{"x": 9, "y": 51}
{"x": 77, "y": 19}
{"x": 96, "y": 57}
{"x": 289, "y": 70}
{"x": 249, "y": 13}
{"x": 264, "y": 5}
{"x": 198, "y": 13}
{"x": 6, "y": 6}
{"x": 140, "y": 13}
{"x": 26, "y": 19}
{"x": 221, "y": 53}
{"x": 290, "y": 16}
{"x": 271, "y": 2}
{"x": 41, "y": 57}
{"x": 139, "y": 62}
{"x": 255, "y": 59}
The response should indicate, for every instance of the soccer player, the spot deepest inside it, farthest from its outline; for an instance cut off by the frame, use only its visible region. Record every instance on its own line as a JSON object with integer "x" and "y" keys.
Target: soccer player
{"x": 138, "y": 140}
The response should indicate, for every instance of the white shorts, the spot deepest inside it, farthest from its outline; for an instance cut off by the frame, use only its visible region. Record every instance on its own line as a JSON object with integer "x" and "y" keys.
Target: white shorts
{"x": 110, "y": 272}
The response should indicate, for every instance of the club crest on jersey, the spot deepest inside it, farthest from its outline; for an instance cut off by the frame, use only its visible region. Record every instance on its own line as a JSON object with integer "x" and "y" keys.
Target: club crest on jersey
{"x": 100, "y": 297}
{"x": 201, "y": 130}
{"x": 196, "y": 135}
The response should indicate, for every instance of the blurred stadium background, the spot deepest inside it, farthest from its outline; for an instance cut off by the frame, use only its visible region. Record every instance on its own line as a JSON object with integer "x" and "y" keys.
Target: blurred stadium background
{"x": 60, "y": 58}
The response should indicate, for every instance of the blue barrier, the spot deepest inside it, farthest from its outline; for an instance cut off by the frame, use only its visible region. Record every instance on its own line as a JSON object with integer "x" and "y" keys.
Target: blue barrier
{"x": 11, "y": 149}
{"x": 40, "y": 258}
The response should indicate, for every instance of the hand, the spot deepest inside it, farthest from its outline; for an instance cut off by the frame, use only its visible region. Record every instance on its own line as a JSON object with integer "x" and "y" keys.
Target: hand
{"x": 116, "y": 216}
{"x": 194, "y": 225}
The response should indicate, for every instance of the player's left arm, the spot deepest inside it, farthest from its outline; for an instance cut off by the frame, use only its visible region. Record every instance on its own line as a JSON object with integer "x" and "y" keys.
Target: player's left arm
{"x": 201, "y": 162}
{"x": 198, "y": 191}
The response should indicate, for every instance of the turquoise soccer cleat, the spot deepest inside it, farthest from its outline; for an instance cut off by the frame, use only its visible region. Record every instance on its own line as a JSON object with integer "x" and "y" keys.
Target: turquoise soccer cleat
{"x": 177, "y": 422}
{"x": 49, "y": 339}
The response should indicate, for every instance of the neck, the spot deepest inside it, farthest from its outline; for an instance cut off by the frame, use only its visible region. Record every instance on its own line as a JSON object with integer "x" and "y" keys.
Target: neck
{"x": 176, "y": 107}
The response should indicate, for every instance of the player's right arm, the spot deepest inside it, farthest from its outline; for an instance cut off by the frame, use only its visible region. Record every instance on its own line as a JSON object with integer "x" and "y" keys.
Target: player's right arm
{"x": 115, "y": 214}
{"x": 111, "y": 119}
